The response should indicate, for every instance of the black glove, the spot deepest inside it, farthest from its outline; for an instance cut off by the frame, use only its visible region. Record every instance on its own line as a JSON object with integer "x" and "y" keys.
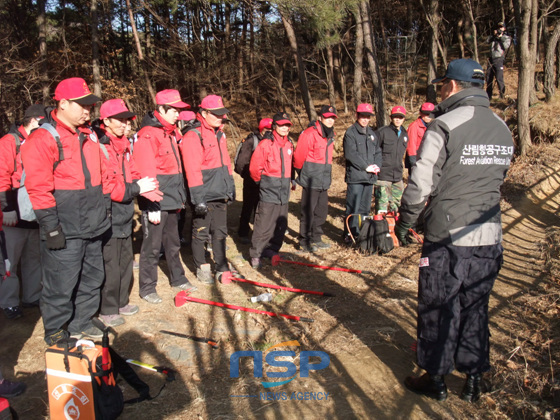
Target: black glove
{"x": 56, "y": 239}
{"x": 402, "y": 232}
{"x": 201, "y": 209}
{"x": 412, "y": 160}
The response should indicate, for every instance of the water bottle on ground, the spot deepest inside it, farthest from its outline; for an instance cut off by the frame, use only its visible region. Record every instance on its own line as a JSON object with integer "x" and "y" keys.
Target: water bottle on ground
{"x": 265, "y": 297}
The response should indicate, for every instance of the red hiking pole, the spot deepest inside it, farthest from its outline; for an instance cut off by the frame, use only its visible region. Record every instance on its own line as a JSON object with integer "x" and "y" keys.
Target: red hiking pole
{"x": 228, "y": 278}
{"x": 277, "y": 260}
{"x": 182, "y": 297}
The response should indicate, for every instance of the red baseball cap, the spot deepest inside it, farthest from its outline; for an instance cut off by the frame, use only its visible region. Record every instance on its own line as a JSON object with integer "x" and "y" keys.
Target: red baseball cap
{"x": 214, "y": 104}
{"x": 75, "y": 89}
{"x": 265, "y": 123}
{"x": 398, "y": 110}
{"x": 427, "y": 107}
{"x": 365, "y": 108}
{"x": 115, "y": 108}
{"x": 170, "y": 97}
{"x": 281, "y": 118}
{"x": 187, "y": 115}
{"x": 328, "y": 111}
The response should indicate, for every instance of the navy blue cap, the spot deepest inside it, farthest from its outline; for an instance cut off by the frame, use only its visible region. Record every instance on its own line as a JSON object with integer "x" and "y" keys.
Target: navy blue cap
{"x": 463, "y": 69}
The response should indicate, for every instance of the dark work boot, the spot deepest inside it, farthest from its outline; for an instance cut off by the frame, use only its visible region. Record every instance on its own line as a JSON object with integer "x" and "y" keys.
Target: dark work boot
{"x": 471, "y": 390}
{"x": 432, "y": 386}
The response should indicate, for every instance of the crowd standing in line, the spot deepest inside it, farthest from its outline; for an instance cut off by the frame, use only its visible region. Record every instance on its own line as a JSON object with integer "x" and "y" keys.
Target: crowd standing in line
{"x": 82, "y": 179}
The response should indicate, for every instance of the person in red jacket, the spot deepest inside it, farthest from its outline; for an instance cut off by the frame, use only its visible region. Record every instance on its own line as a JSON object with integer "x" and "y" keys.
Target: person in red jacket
{"x": 210, "y": 179}
{"x": 313, "y": 162}
{"x": 125, "y": 184}
{"x": 271, "y": 169}
{"x": 416, "y": 131}
{"x": 66, "y": 179}
{"x": 22, "y": 237}
{"x": 156, "y": 155}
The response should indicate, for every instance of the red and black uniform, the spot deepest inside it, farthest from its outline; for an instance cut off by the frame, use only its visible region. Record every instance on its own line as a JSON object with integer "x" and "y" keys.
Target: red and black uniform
{"x": 156, "y": 154}
{"x": 22, "y": 239}
{"x": 210, "y": 180}
{"x": 117, "y": 250}
{"x": 415, "y": 131}
{"x": 271, "y": 168}
{"x": 313, "y": 161}
{"x": 68, "y": 194}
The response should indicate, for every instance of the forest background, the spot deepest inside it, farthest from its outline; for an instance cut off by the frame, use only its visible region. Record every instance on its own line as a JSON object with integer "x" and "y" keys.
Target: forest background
{"x": 267, "y": 56}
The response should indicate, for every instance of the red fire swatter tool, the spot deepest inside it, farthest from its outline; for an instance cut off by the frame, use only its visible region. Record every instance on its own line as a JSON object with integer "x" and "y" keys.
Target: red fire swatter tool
{"x": 277, "y": 260}
{"x": 182, "y": 297}
{"x": 228, "y": 277}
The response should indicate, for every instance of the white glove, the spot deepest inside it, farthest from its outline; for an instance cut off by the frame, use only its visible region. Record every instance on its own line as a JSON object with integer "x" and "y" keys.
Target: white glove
{"x": 374, "y": 169}
{"x": 147, "y": 184}
{"x": 10, "y": 218}
{"x": 293, "y": 184}
{"x": 154, "y": 217}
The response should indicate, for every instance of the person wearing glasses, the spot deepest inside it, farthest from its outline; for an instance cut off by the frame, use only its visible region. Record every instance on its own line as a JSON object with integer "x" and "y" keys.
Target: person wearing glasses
{"x": 393, "y": 140}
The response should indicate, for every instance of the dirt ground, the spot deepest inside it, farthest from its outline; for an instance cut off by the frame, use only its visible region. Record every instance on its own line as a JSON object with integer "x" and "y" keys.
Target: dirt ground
{"x": 367, "y": 329}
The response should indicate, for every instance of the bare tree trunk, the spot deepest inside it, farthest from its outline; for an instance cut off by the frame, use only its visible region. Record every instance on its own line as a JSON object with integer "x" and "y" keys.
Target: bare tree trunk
{"x": 534, "y": 47}
{"x": 433, "y": 12}
{"x": 373, "y": 63}
{"x": 140, "y": 54}
{"x": 549, "y": 73}
{"x": 42, "y": 25}
{"x": 460, "y": 35}
{"x": 526, "y": 73}
{"x": 330, "y": 75}
{"x": 305, "y": 94}
{"x": 339, "y": 75}
{"x": 470, "y": 14}
{"x": 95, "y": 51}
{"x": 358, "y": 60}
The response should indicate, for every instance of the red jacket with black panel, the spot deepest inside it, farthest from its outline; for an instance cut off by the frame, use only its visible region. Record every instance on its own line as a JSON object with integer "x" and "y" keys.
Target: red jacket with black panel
{"x": 156, "y": 154}
{"x": 69, "y": 192}
{"x": 271, "y": 167}
{"x": 207, "y": 164}
{"x": 313, "y": 158}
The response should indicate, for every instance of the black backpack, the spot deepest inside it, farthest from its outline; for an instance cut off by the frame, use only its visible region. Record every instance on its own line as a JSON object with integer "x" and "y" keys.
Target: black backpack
{"x": 374, "y": 237}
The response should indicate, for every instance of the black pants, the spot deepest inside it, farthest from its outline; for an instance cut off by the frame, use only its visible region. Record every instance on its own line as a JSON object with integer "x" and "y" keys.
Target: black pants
{"x": 314, "y": 209}
{"x": 250, "y": 201}
{"x": 358, "y": 201}
{"x": 153, "y": 236}
{"x": 72, "y": 279}
{"x": 215, "y": 224}
{"x": 118, "y": 256}
{"x": 453, "y": 291}
{"x": 271, "y": 222}
{"x": 496, "y": 70}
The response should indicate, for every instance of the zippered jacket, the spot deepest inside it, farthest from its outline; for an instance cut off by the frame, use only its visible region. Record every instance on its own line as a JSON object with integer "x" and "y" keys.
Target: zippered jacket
{"x": 361, "y": 149}
{"x": 72, "y": 194}
{"x": 10, "y": 173}
{"x": 207, "y": 164}
{"x": 415, "y": 131}
{"x": 313, "y": 158}
{"x": 393, "y": 148}
{"x": 271, "y": 167}
{"x": 461, "y": 165}
{"x": 156, "y": 154}
{"x": 122, "y": 179}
